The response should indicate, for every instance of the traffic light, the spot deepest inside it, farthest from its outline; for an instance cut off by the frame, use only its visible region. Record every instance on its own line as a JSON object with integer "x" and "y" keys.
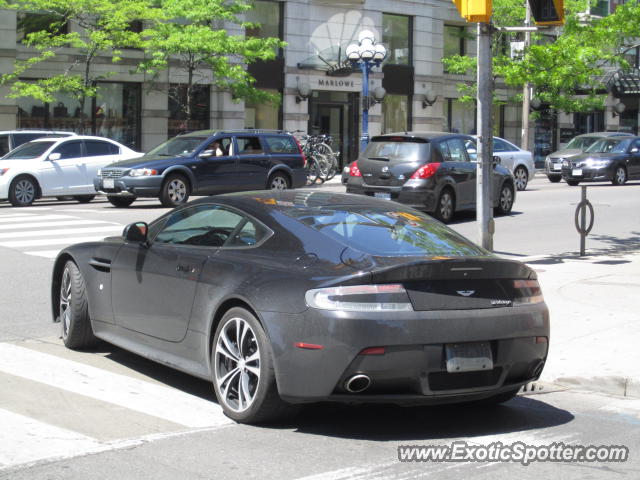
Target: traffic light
{"x": 475, "y": 10}
{"x": 547, "y": 12}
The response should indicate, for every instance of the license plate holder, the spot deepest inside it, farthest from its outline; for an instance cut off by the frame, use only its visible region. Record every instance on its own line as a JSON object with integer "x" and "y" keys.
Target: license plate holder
{"x": 468, "y": 357}
{"x": 108, "y": 183}
{"x": 557, "y": 166}
{"x": 382, "y": 195}
{"x": 576, "y": 172}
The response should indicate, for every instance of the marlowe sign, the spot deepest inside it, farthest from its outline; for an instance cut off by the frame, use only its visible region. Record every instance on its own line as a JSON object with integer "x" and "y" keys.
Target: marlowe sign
{"x": 340, "y": 84}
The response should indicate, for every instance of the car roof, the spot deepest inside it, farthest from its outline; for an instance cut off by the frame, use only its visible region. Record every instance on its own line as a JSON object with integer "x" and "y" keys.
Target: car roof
{"x": 75, "y": 137}
{"x": 209, "y": 133}
{"x": 606, "y": 134}
{"x": 46, "y": 132}
{"x": 423, "y": 135}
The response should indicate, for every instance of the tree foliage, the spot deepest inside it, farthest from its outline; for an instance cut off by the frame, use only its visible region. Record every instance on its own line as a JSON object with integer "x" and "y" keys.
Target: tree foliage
{"x": 566, "y": 71}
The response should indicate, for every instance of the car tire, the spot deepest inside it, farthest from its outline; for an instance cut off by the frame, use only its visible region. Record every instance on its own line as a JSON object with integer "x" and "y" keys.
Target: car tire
{"x": 521, "y": 177}
{"x": 120, "y": 202}
{"x": 84, "y": 198}
{"x": 554, "y": 179}
{"x": 446, "y": 206}
{"x": 499, "y": 398}
{"x": 77, "y": 332}
{"x": 278, "y": 181}
{"x": 573, "y": 183}
{"x": 23, "y": 191}
{"x": 246, "y": 389}
{"x": 505, "y": 199}
{"x": 619, "y": 176}
{"x": 175, "y": 191}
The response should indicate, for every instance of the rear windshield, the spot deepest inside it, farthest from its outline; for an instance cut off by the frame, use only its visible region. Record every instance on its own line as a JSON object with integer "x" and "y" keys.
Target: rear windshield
{"x": 386, "y": 231}
{"x": 29, "y": 150}
{"x": 400, "y": 148}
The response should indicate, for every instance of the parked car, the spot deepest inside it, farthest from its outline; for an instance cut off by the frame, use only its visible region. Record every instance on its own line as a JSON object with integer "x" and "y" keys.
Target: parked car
{"x": 431, "y": 171}
{"x": 14, "y": 138}
{"x": 298, "y": 296}
{"x": 577, "y": 145}
{"x": 614, "y": 159}
{"x": 57, "y": 167}
{"x": 188, "y": 164}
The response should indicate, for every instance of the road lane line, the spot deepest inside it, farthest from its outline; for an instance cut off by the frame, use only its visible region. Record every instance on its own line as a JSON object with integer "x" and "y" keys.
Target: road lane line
{"x": 151, "y": 399}
{"x": 43, "y": 253}
{"x": 35, "y": 218}
{"x": 51, "y": 241}
{"x": 61, "y": 231}
{"x": 52, "y": 223}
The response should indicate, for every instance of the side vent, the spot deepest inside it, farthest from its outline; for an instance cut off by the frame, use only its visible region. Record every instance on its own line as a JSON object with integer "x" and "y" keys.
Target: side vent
{"x": 101, "y": 264}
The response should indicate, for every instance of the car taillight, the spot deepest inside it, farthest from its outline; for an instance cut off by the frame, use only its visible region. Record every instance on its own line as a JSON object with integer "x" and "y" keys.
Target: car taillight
{"x": 426, "y": 171}
{"x": 360, "y": 298}
{"x": 527, "y": 292}
{"x": 304, "y": 159}
{"x": 354, "y": 171}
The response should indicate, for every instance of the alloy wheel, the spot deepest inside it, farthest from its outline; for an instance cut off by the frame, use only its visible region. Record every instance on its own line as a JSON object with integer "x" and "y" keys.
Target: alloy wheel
{"x": 506, "y": 199}
{"x": 621, "y": 176}
{"x": 65, "y": 302}
{"x": 25, "y": 191}
{"x": 446, "y": 206}
{"x": 177, "y": 190}
{"x": 237, "y": 364}
{"x": 521, "y": 178}
{"x": 278, "y": 183}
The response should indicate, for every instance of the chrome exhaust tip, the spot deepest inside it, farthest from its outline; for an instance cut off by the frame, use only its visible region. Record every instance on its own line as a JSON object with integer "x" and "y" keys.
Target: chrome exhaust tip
{"x": 357, "y": 383}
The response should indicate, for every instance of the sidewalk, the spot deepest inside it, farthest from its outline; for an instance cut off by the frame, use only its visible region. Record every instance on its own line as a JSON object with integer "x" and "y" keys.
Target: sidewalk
{"x": 595, "y": 322}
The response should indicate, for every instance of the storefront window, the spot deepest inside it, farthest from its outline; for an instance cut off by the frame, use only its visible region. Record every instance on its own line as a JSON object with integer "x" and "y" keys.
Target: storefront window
{"x": 397, "y": 38}
{"x": 29, "y": 22}
{"x": 178, "y": 112}
{"x": 588, "y": 122}
{"x": 262, "y": 115}
{"x": 454, "y": 41}
{"x": 268, "y": 15}
{"x": 461, "y": 117}
{"x": 395, "y": 113}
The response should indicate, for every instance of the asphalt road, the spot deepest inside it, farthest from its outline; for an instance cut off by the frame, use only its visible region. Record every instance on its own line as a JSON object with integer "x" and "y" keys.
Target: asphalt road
{"x": 106, "y": 414}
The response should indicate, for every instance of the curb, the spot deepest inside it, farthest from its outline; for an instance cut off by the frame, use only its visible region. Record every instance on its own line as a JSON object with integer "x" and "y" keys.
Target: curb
{"x": 613, "y": 385}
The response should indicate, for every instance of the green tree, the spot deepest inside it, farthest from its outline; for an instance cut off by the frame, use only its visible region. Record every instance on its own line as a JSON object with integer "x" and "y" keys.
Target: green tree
{"x": 104, "y": 30}
{"x": 190, "y": 40}
{"x": 565, "y": 71}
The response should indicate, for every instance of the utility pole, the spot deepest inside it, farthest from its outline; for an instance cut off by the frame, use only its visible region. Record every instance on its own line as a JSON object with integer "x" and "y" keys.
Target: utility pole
{"x": 526, "y": 91}
{"x": 484, "y": 202}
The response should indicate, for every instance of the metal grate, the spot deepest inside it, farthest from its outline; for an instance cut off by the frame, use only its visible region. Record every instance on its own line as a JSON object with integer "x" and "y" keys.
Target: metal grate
{"x": 112, "y": 173}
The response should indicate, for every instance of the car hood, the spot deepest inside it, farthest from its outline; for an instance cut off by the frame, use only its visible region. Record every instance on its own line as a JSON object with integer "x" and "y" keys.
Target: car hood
{"x": 146, "y": 161}
{"x": 595, "y": 156}
{"x": 566, "y": 153}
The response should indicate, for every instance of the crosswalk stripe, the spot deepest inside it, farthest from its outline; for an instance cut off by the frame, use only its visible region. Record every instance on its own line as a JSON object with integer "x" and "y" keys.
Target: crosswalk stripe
{"x": 43, "y": 253}
{"x": 16, "y": 215}
{"x": 61, "y": 231}
{"x": 134, "y": 394}
{"x": 35, "y": 218}
{"x": 50, "y": 241}
{"x": 50, "y": 223}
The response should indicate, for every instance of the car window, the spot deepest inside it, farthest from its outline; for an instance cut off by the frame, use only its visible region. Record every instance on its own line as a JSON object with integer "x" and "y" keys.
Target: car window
{"x": 220, "y": 147}
{"x": 210, "y": 226}
{"x": 581, "y": 143}
{"x": 605, "y": 145}
{"x": 444, "y": 149}
{"x": 20, "y": 138}
{"x": 29, "y": 150}
{"x": 636, "y": 144}
{"x": 177, "y": 146}
{"x": 472, "y": 149}
{"x": 500, "y": 145}
{"x": 249, "y": 145}
{"x": 4, "y": 145}
{"x": 621, "y": 147}
{"x": 97, "y": 147}
{"x": 281, "y": 144}
{"x": 457, "y": 150}
{"x": 385, "y": 231}
{"x": 69, "y": 150}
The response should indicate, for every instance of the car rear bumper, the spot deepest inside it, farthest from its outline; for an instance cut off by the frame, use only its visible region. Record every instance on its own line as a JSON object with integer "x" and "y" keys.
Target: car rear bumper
{"x": 419, "y": 194}
{"x": 413, "y": 368}
{"x": 127, "y": 186}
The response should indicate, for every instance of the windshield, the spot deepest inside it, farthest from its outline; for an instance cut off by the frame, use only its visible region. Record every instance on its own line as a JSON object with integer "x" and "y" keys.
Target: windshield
{"x": 606, "y": 145}
{"x": 178, "y": 146}
{"x": 28, "y": 151}
{"x": 580, "y": 143}
{"x": 393, "y": 150}
{"x": 386, "y": 231}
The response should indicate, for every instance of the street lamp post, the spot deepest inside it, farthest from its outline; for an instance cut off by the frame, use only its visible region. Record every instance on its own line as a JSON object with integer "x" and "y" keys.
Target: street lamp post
{"x": 365, "y": 54}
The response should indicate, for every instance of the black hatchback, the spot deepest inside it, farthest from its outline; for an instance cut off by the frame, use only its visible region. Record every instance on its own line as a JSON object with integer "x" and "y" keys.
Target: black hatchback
{"x": 431, "y": 171}
{"x": 206, "y": 162}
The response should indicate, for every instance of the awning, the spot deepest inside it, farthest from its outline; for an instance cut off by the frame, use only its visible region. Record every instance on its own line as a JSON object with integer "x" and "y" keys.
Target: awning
{"x": 625, "y": 83}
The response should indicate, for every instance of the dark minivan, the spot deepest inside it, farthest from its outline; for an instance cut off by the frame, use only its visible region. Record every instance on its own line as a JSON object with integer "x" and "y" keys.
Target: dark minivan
{"x": 431, "y": 171}
{"x": 206, "y": 162}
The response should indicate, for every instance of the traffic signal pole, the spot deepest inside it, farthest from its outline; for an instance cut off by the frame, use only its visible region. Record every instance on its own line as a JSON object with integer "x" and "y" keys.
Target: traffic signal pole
{"x": 484, "y": 201}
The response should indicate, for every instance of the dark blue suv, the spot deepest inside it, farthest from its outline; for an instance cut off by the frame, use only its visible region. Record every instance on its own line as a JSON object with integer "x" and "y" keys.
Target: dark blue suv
{"x": 204, "y": 163}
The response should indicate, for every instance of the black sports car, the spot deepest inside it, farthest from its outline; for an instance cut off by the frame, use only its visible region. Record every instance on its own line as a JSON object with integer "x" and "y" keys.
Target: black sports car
{"x": 286, "y": 297}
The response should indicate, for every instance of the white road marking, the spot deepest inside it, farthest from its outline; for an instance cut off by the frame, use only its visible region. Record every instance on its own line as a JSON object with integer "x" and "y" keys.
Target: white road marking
{"x": 51, "y": 241}
{"x": 61, "y": 231}
{"x": 51, "y": 223}
{"x": 138, "y": 395}
{"x": 35, "y": 218}
{"x": 44, "y": 253}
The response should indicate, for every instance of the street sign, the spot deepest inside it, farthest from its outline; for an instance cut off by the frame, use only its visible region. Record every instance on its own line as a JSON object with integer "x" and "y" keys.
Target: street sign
{"x": 547, "y": 12}
{"x": 475, "y": 10}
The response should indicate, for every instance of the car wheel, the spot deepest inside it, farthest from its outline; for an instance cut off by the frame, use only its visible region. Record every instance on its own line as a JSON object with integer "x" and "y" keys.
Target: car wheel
{"x": 573, "y": 183}
{"x": 74, "y": 309}
{"x": 243, "y": 372}
{"x": 522, "y": 178}
{"x": 84, "y": 198}
{"x": 446, "y": 206}
{"x": 120, "y": 202}
{"x": 619, "y": 176}
{"x": 505, "y": 200}
{"x": 22, "y": 191}
{"x": 554, "y": 179}
{"x": 278, "y": 181}
{"x": 175, "y": 191}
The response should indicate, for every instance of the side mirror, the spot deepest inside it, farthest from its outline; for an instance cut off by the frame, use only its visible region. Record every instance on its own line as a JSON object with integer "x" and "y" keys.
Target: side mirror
{"x": 206, "y": 154}
{"x": 54, "y": 156}
{"x": 135, "y": 232}
{"x": 497, "y": 160}
{"x": 634, "y": 150}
